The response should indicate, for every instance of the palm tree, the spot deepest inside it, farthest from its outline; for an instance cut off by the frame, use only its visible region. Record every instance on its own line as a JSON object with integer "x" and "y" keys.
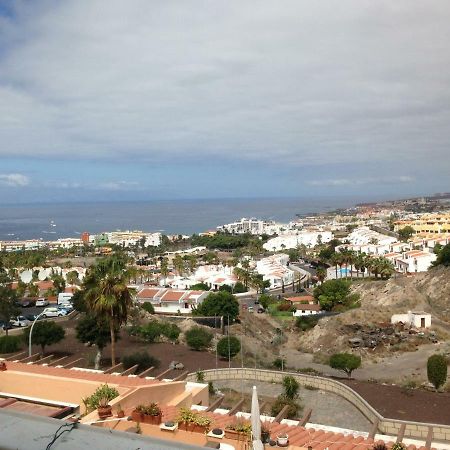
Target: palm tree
{"x": 387, "y": 269}
{"x": 107, "y": 296}
{"x": 164, "y": 269}
{"x": 321, "y": 274}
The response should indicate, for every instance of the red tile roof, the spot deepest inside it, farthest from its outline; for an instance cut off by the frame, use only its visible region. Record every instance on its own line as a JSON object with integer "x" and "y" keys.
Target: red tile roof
{"x": 307, "y": 307}
{"x": 147, "y": 293}
{"x": 172, "y": 296}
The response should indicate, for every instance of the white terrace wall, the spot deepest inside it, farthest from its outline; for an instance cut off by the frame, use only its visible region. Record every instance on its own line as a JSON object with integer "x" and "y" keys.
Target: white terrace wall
{"x": 386, "y": 426}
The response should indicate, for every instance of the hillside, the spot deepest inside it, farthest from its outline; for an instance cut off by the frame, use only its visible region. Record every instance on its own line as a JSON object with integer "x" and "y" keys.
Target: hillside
{"x": 429, "y": 291}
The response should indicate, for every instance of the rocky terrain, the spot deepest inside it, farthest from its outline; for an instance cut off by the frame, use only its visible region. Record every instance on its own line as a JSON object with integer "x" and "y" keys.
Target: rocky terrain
{"x": 429, "y": 291}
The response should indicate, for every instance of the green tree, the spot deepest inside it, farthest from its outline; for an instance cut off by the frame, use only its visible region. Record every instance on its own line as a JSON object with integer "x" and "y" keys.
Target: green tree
{"x": 91, "y": 330}
{"x": 198, "y": 338}
{"x": 345, "y": 362}
{"x": 33, "y": 290}
{"x": 228, "y": 346}
{"x": 443, "y": 258}
{"x": 147, "y": 306}
{"x": 45, "y": 333}
{"x": 221, "y": 303}
{"x": 437, "y": 370}
{"x": 405, "y": 233}
{"x": 200, "y": 287}
{"x": 333, "y": 293}
{"x": 164, "y": 269}
{"x": 58, "y": 282}
{"x": 290, "y": 387}
{"x": 8, "y": 307}
{"x": 107, "y": 295}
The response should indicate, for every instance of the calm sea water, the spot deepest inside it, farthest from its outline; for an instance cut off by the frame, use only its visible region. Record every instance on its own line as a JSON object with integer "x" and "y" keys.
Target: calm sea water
{"x": 53, "y": 221}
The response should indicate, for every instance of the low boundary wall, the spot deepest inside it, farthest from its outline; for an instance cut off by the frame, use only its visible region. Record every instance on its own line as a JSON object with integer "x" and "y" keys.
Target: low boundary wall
{"x": 416, "y": 430}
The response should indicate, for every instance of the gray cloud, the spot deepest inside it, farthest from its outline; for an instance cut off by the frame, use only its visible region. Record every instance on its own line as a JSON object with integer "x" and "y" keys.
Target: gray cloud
{"x": 291, "y": 83}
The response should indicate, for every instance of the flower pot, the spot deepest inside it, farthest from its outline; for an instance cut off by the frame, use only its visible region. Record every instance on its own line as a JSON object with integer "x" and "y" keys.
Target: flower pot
{"x": 104, "y": 412}
{"x": 152, "y": 420}
{"x": 283, "y": 440}
{"x": 192, "y": 427}
{"x": 265, "y": 437}
{"x": 236, "y": 435}
{"x": 120, "y": 414}
{"x": 2, "y": 366}
{"x": 137, "y": 416}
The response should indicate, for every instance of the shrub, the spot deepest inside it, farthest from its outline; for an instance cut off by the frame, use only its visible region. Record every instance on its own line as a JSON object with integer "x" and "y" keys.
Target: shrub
{"x": 437, "y": 370}
{"x": 170, "y": 331}
{"x": 147, "y": 306}
{"x": 345, "y": 362}
{"x": 226, "y": 287}
{"x": 142, "y": 359}
{"x": 239, "y": 288}
{"x": 305, "y": 323}
{"x": 279, "y": 363}
{"x": 200, "y": 287}
{"x": 284, "y": 306}
{"x": 102, "y": 392}
{"x": 265, "y": 300}
{"x": 291, "y": 387}
{"x": 198, "y": 338}
{"x": 228, "y": 346}
{"x": 281, "y": 402}
{"x": 10, "y": 344}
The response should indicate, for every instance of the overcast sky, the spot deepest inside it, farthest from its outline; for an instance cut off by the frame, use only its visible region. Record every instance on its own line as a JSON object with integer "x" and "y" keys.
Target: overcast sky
{"x": 146, "y": 99}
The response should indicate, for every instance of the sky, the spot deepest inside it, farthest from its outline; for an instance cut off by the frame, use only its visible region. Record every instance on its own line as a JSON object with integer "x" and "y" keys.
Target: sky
{"x": 143, "y": 99}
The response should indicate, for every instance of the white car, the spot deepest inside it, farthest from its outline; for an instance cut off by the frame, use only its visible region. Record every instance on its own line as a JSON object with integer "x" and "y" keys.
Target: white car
{"x": 42, "y": 302}
{"x": 53, "y": 312}
{"x": 20, "y": 321}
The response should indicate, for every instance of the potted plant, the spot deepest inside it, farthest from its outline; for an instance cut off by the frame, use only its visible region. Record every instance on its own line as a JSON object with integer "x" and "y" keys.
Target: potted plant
{"x": 192, "y": 421}
{"x": 282, "y": 440}
{"x": 147, "y": 414}
{"x": 104, "y": 408}
{"x": 265, "y": 433}
{"x": 240, "y": 429}
{"x": 120, "y": 411}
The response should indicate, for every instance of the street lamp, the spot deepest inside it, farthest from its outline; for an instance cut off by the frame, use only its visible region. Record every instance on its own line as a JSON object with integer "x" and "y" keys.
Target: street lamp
{"x": 31, "y": 331}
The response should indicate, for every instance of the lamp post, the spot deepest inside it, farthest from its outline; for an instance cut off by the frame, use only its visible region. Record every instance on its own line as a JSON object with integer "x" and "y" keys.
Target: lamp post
{"x": 31, "y": 332}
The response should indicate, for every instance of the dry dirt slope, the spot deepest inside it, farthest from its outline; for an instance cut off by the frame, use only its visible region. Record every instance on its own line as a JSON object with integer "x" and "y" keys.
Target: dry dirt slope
{"x": 429, "y": 291}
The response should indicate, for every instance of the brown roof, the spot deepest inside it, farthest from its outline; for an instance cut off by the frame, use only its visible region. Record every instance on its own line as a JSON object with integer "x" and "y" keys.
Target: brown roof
{"x": 147, "y": 293}
{"x": 302, "y": 298}
{"x": 44, "y": 285}
{"x": 172, "y": 296}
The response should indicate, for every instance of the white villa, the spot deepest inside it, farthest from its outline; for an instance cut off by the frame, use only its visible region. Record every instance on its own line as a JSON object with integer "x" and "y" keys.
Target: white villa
{"x": 274, "y": 269}
{"x": 294, "y": 239}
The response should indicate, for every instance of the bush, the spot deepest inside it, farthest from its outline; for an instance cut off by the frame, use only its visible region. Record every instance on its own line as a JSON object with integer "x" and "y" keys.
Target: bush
{"x": 104, "y": 391}
{"x": 200, "y": 287}
{"x": 170, "y": 331}
{"x": 437, "y": 370}
{"x": 142, "y": 359}
{"x": 291, "y": 387}
{"x": 228, "y": 346}
{"x": 345, "y": 362}
{"x": 281, "y": 402}
{"x": 284, "y": 306}
{"x": 45, "y": 333}
{"x": 305, "y": 323}
{"x": 147, "y": 306}
{"x": 10, "y": 344}
{"x": 150, "y": 332}
{"x": 279, "y": 363}
{"x": 265, "y": 300}
{"x": 239, "y": 288}
{"x": 198, "y": 338}
{"x": 226, "y": 288}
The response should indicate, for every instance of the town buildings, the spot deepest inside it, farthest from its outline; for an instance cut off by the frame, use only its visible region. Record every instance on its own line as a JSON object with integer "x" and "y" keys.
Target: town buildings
{"x": 297, "y": 238}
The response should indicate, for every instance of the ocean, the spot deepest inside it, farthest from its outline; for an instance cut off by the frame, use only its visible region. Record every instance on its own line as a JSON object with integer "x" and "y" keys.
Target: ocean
{"x": 58, "y": 220}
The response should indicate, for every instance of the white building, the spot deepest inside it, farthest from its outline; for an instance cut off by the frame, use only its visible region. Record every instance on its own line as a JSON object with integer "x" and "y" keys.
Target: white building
{"x": 294, "y": 239}
{"x": 130, "y": 238}
{"x": 416, "y": 319}
{"x": 302, "y": 310}
{"x": 414, "y": 261}
{"x": 274, "y": 269}
{"x": 255, "y": 226}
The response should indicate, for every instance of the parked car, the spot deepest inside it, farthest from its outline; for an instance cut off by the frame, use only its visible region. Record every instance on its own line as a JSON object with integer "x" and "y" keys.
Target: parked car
{"x": 260, "y": 310}
{"x": 250, "y": 309}
{"x": 66, "y": 307}
{"x": 42, "y": 302}
{"x": 245, "y": 306}
{"x": 53, "y": 312}
{"x": 30, "y": 317}
{"x": 27, "y": 303}
{"x": 20, "y": 321}
{"x": 5, "y": 326}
